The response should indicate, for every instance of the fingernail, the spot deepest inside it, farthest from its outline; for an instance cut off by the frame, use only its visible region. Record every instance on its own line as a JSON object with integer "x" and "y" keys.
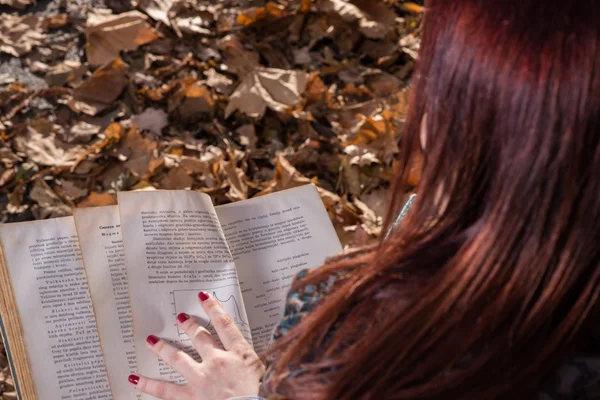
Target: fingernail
{"x": 152, "y": 340}
{"x": 203, "y": 296}
{"x": 182, "y": 317}
{"x": 134, "y": 379}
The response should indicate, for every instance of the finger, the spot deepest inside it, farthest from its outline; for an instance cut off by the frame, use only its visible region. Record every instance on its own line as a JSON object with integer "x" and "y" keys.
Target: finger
{"x": 159, "y": 389}
{"x": 201, "y": 338}
{"x": 174, "y": 357}
{"x": 228, "y": 332}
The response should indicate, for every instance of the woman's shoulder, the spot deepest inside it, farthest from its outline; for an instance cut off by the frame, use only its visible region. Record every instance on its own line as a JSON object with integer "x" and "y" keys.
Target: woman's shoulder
{"x": 300, "y": 300}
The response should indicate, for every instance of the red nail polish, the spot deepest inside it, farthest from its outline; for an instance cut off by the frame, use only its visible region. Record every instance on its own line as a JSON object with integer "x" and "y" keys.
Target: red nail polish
{"x": 203, "y": 296}
{"x": 152, "y": 340}
{"x": 182, "y": 317}
{"x": 134, "y": 379}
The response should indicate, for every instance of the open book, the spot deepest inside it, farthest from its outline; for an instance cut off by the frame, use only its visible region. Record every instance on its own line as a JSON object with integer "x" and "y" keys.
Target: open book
{"x": 79, "y": 295}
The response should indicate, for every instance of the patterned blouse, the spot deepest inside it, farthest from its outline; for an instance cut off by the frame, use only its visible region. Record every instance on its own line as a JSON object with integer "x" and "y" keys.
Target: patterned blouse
{"x": 576, "y": 380}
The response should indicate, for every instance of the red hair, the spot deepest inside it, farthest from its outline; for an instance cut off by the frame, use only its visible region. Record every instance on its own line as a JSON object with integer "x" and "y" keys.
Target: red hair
{"x": 486, "y": 296}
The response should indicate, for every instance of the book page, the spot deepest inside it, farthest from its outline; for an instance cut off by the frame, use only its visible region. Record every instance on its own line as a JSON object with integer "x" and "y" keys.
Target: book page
{"x": 99, "y": 231}
{"x": 52, "y": 297}
{"x": 272, "y": 238}
{"x": 174, "y": 248}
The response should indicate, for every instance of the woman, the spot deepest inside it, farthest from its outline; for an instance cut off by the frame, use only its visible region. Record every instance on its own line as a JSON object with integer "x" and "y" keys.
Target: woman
{"x": 489, "y": 288}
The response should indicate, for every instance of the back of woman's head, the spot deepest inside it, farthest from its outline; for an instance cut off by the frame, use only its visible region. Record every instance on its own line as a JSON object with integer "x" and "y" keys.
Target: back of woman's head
{"x": 493, "y": 278}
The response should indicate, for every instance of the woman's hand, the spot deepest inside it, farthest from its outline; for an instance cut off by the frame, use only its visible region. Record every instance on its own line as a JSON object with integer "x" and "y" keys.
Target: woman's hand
{"x": 235, "y": 371}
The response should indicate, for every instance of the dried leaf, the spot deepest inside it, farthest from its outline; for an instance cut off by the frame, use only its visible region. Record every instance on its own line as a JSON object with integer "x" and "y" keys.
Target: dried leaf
{"x": 81, "y": 132}
{"x": 84, "y": 167}
{"x": 177, "y": 178}
{"x": 370, "y": 222}
{"x": 193, "y": 165}
{"x": 383, "y": 85}
{"x": 112, "y": 134}
{"x": 139, "y": 152}
{"x": 192, "y": 101}
{"x": 238, "y": 190}
{"x": 47, "y": 150}
{"x": 219, "y": 82}
{"x": 374, "y": 18}
{"x": 100, "y": 91}
{"x": 270, "y": 11}
{"x": 412, "y": 7}
{"x": 267, "y": 87}
{"x": 96, "y": 199}
{"x": 157, "y": 9}
{"x": 18, "y": 4}
{"x": 379, "y": 133}
{"x": 107, "y": 36}
{"x": 8, "y": 176}
{"x": 18, "y": 35}
{"x": 151, "y": 119}
{"x": 286, "y": 177}
{"x": 238, "y": 58}
{"x": 56, "y": 21}
{"x": 73, "y": 190}
{"x": 193, "y": 21}
{"x": 247, "y": 135}
{"x": 361, "y": 155}
{"x": 410, "y": 44}
{"x": 302, "y": 56}
{"x": 49, "y": 204}
{"x": 70, "y": 72}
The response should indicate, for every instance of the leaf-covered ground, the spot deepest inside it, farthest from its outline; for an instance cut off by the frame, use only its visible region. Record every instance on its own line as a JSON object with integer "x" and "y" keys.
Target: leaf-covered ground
{"x": 235, "y": 98}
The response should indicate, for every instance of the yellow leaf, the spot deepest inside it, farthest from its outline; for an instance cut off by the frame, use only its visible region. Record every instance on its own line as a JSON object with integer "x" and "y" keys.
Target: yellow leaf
{"x": 96, "y": 199}
{"x": 413, "y": 8}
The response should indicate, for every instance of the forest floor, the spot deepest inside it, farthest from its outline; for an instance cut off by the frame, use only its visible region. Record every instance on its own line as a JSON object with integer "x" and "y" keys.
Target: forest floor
{"x": 235, "y": 98}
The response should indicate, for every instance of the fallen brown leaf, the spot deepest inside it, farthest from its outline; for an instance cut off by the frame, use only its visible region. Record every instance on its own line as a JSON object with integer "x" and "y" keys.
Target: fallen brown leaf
{"x": 410, "y": 45}
{"x": 98, "y": 93}
{"x": 370, "y": 222}
{"x": 49, "y": 204}
{"x": 219, "y": 82}
{"x": 157, "y": 9}
{"x": 18, "y": 4}
{"x": 107, "y": 36}
{"x": 247, "y": 136}
{"x": 47, "y": 150}
{"x": 238, "y": 190}
{"x": 412, "y": 7}
{"x": 151, "y": 119}
{"x": 374, "y": 18}
{"x": 177, "y": 178}
{"x": 112, "y": 134}
{"x": 81, "y": 132}
{"x": 73, "y": 190}
{"x": 238, "y": 58}
{"x": 7, "y": 176}
{"x": 192, "y": 101}
{"x": 267, "y": 87}
{"x": 18, "y": 35}
{"x": 270, "y": 11}
{"x": 96, "y": 199}
{"x": 69, "y": 72}
{"x": 56, "y": 21}
{"x": 139, "y": 153}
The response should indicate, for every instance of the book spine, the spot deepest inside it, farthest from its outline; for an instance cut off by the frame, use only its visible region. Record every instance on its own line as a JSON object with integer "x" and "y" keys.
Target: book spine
{"x": 11, "y": 365}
